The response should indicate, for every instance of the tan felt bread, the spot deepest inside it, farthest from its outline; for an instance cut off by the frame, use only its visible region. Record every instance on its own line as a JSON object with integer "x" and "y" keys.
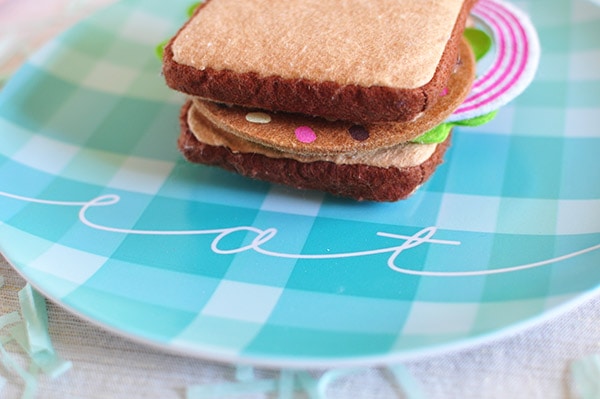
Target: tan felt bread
{"x": 278, "y": 130}
{"x": 358, "y": 60}
{"x": 359, "y": 181}
{"x": 400, "y": 42}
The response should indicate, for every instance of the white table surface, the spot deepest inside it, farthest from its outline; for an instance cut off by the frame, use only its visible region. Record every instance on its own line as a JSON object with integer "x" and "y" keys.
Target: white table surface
{"x": 533, "y": 363}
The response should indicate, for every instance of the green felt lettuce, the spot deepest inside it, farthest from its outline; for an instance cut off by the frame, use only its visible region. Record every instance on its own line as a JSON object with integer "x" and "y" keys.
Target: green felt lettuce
{"x": 479, "y": 40}
{"x": 436, "y": 135}
{"x": 477, "y": 121}
{"x": 439, "y": 133}
{"x": 159, "y": 50}
{"x": 191, "y": 9}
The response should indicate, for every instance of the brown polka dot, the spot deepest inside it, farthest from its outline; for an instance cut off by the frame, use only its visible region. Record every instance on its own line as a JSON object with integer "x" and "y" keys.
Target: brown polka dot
{"x": 358, "y": 133}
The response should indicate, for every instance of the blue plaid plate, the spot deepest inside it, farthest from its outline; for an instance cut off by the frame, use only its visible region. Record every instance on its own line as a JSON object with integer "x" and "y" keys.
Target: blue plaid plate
{"x": 99, "y": 211}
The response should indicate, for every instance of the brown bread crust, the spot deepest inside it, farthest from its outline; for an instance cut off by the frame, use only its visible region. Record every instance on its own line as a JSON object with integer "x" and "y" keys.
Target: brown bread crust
{"x": 358, "y": 181}
{"x": 327, "y": 99}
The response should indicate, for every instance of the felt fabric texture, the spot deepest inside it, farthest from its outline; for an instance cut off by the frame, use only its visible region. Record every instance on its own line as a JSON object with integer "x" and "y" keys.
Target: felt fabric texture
{"x": 358, "y": 181}
{"x": 396, "y": 43}
{"x": 400, "y": 156}
{"x": 336, "y": 137}
{"x": 338, "y": 60}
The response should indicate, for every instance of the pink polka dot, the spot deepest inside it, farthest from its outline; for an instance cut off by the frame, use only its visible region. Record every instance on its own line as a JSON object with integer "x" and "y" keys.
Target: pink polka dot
{"x": 444, "y": 92}
{"x": 305, "y": 134}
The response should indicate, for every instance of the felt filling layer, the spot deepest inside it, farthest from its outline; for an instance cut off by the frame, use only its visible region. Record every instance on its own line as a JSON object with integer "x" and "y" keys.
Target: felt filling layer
{"x": 400, "y": 156}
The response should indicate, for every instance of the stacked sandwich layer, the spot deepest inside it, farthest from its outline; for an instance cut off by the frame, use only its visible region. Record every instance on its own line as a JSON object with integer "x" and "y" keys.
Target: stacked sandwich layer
{"x": 319, "y": 95}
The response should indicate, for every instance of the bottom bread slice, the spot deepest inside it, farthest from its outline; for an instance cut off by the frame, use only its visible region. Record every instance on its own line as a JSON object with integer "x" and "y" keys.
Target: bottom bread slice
{"x": 361, "y": 182}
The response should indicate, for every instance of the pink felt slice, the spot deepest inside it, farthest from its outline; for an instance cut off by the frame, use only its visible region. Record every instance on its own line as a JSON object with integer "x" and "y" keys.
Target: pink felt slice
{"x": 515, "y": 63}
{"x": 305, "y": 134}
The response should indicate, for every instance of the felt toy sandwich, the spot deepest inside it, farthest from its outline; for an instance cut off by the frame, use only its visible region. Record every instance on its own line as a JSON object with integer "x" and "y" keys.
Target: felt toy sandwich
{"x": 356, "y": 98}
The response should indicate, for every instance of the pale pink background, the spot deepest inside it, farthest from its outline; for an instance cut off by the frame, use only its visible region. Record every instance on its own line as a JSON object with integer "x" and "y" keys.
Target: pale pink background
{"x": 25, "y": 25}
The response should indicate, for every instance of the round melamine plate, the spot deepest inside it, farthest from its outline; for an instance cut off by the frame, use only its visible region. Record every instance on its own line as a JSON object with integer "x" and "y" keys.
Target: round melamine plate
{"x": 100, "y": 212}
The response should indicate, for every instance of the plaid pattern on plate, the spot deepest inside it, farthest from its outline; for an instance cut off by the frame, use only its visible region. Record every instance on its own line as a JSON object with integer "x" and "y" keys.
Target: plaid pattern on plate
{"x": 99, "y": 211}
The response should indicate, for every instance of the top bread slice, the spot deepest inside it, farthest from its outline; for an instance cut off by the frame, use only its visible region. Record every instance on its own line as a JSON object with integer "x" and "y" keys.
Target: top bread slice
{"x": 356, "y": 60}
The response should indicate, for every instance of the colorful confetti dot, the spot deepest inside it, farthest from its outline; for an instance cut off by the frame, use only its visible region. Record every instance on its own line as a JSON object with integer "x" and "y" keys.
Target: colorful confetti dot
{"x": 358, "y": 133}
{"x": 305, "y": 134}
{"x": 258, "y": 117}
{"x": 444, "y": 92}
